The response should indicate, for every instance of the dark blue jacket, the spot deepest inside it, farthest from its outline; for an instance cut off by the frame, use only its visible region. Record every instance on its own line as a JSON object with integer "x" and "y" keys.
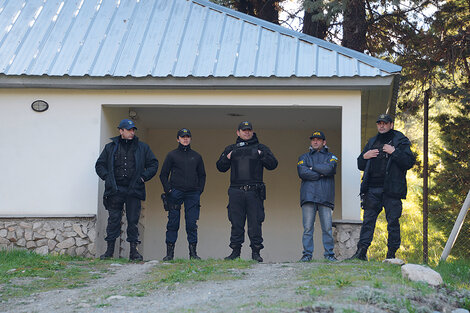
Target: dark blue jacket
{"x": 145, "y": 162}
{"x": 317, "y": 170}
{"x": 401, "y": 160}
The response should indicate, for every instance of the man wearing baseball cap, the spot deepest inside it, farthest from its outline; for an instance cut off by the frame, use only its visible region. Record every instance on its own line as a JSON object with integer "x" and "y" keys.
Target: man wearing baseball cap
{"x": 246, "y": 158}
{"x": 316, "y": 169}
{"x": 183, "y": 178}
{"x": 125, "y": 165}
{"x": 385, "y": 161}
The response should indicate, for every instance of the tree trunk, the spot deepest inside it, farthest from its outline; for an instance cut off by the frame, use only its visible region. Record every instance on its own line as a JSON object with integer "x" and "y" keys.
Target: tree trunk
{"x": 354, "y": 25}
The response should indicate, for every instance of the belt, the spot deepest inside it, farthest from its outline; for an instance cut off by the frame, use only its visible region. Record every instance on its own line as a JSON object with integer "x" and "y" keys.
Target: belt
{"x": 247, "y": 187}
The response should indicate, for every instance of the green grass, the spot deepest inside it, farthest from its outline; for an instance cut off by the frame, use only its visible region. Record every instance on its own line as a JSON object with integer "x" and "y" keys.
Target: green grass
{"x": 24, "y": 272}
{"x": 180, "y": 271}
{"x": 455, "y": 273}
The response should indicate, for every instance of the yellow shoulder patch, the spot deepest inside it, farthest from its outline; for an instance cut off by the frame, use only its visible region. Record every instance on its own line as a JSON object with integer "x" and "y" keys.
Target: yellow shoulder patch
{"x": 300, "y": 162}
{"x": 334, "y": 159}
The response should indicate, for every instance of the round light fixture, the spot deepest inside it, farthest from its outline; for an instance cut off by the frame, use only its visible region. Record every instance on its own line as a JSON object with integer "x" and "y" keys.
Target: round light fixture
{"x": 39, "y": 106}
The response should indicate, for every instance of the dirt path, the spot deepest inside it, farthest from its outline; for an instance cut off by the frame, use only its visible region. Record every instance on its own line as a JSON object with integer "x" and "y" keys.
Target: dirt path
{"x": 276, "y": 287}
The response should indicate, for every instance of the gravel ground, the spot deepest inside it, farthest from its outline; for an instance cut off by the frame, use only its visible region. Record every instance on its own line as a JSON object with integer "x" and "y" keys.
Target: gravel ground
{"x": 273, "y": 287}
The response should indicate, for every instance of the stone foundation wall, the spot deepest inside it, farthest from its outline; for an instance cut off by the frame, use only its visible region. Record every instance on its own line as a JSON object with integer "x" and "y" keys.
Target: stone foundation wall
{"x": 346, "y": 237}
{"x": 72, "y": 236}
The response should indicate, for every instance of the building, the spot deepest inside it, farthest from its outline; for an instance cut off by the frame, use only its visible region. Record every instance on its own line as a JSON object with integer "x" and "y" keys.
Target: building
{"x": 171, "y": 64}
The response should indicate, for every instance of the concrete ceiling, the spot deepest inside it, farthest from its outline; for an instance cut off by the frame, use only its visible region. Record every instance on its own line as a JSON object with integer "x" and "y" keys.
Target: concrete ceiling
{"x": 210, "y": 117}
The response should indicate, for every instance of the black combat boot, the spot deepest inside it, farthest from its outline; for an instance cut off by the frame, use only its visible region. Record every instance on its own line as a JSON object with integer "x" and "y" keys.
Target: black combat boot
{"x": 170, "y": 252}
{"x": 361, "y": 254}
{"x": 391, "y": 254}
{"x": 235, "y": 253}
{"x": 109, "y": 250}
{"x": 192, "y": 251}
{"x": 255, "y": 254}
{"x": 134, "y": 255}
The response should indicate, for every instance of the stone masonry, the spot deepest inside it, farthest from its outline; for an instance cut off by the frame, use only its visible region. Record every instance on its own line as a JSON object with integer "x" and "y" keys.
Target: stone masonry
{"x": 346, "y": 237}
{"x": 72, "y": 236}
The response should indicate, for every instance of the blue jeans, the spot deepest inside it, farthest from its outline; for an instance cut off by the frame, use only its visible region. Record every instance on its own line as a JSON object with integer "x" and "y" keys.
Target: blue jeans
{"x": 191, "y": 215}
{"x": 309, "y": 210}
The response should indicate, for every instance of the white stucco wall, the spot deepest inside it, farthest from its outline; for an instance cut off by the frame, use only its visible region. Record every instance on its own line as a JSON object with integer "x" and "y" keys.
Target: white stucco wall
{"x": 46, "y": 157}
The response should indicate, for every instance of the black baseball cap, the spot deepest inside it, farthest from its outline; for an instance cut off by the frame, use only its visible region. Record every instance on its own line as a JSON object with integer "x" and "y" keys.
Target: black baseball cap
{"x": 245, "y": 125}
{"x": 385, "y": 118}
{"x": 126, "y": 124}
{"x": 318, "y": 134}
{"x": 183, "y": 132}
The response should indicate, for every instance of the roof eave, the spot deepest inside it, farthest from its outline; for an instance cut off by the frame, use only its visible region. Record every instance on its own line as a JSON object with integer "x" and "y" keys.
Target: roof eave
{"x": 108, "y": 82}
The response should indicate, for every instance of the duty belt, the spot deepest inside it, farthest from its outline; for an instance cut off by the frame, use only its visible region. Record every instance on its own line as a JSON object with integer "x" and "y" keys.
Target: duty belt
{"x": 247, "y": 187}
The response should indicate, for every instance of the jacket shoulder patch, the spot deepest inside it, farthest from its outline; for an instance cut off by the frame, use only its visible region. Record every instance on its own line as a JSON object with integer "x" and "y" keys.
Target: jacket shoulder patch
{"x": 333, "y": 159}
{"x": 300, "y": 162}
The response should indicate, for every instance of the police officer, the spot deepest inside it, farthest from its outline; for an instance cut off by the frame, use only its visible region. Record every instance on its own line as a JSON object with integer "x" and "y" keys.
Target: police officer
{"x": 246, "y": 158}
{"x": 125, "y": 165}
{"x": 385, "y": 161}
{"x": 183, "y": 178}
{"x": 317, "y": 168}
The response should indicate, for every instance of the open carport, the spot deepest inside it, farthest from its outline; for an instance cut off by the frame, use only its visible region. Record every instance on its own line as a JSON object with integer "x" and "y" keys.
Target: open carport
{"x": 283, "y": 122}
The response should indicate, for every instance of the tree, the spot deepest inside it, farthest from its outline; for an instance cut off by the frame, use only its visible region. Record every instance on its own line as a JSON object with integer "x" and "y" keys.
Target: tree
{"x": 267, "y": 10}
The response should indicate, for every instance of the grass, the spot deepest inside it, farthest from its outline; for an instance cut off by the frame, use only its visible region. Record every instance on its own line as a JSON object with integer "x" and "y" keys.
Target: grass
{"x": 455, "y": 273}
{"x": 181, "y": 271}
{"x": 351, "y": 283}
{"x": 24, "y": 272}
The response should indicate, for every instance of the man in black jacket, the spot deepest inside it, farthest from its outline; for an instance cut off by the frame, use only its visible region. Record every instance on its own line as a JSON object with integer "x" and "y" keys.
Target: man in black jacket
{"x": 246, "y": 158}
{"x": 125, "y": 165}
{"x": 385, "y": 161}
{"x": 183, "y": 178}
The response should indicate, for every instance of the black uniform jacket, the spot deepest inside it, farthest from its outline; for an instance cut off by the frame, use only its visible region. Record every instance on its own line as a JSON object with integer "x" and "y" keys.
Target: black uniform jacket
{"x": 246, "y": 163}
{"x": 146, "y": 166}
{"x": 401, "y": 160}
{"x": 185, "y": 168}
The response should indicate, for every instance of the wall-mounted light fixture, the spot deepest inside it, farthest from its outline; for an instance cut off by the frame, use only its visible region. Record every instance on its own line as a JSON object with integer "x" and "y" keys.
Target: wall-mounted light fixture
{"x": 39, "y": 106}
{"x": 133, "y": 114}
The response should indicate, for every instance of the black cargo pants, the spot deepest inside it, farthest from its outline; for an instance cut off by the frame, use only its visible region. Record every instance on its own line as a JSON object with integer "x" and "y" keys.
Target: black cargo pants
{"x": 245, "y": 205}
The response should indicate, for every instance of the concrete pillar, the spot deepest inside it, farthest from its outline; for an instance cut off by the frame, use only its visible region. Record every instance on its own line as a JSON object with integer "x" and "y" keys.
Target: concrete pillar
{"x": 351, "y": 148}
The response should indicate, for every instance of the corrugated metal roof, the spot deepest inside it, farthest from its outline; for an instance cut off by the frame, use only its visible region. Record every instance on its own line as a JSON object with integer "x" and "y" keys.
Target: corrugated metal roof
{"x": 162, "y": 38}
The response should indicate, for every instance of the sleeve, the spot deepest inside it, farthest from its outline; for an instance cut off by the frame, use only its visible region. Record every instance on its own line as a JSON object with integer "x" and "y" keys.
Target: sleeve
{"x": 304, "y": 171}
{"x": 403, "y": 156}
{"x": 101, "y": 166}
{"x": 361, "y": 162}
{"x": 328, "y": 168}
{"x": 151, "y": 165}
{"x": 267, "y": 158}
{"x": 201, "y": 173}
{"x": 223, "y": 164}
{"x": 165, "y": 173}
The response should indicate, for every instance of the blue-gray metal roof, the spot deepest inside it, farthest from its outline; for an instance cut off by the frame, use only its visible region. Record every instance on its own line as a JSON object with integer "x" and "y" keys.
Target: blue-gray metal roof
{"x": 163, "y": 38}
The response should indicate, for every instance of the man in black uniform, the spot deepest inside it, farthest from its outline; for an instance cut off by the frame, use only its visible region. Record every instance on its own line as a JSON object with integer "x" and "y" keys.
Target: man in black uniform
{"x": 187, "y": 175}
{"x": 247, "y": 191}
{"x": 384, "y": 160}
{"x": 125, "y": 165}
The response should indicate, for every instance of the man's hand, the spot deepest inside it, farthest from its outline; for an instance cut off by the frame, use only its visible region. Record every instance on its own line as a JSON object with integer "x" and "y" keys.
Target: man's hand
{"x": 371, "y": 154}
{"x": 388, "y": 149}
{"x": 229, "y": 155}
